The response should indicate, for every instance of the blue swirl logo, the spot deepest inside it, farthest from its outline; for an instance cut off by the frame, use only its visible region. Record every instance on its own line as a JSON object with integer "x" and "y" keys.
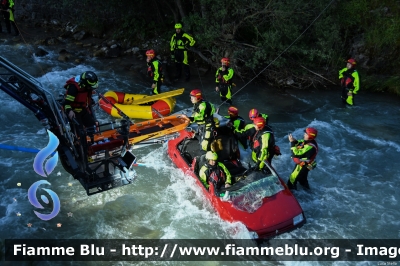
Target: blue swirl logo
{"x": 33, "y": 200}
{"x": 44, "y": 153}
{"x": 48, "y": 168}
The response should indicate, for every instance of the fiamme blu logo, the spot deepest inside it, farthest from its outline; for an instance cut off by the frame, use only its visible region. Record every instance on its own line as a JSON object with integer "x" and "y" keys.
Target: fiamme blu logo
{"x": 44, "y": 168}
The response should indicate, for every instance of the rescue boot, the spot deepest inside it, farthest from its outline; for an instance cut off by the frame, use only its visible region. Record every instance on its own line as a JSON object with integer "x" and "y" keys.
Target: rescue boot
{"x": 291, "y": 186}
{"x": 349, "y": 100}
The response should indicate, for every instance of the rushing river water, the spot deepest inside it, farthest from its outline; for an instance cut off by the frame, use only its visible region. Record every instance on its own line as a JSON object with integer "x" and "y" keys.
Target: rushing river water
{"x": 354, "y": 194}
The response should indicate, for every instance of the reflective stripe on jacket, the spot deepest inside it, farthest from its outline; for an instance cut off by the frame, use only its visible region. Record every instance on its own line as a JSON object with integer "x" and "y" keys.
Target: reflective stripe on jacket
{"x": 237, "y": 122}
{"x": 224, "y": 77}
{"x": 263, "y": 144}
{"x": 349, "y": 79}
{"x": 218, "y": 175}
{"x": 304, "y": 151}
{"x": 154, "y": 70}
{"x": 179, "y": 41}
{"x": 76, "y": 99}
{"x": 203, "y": 112}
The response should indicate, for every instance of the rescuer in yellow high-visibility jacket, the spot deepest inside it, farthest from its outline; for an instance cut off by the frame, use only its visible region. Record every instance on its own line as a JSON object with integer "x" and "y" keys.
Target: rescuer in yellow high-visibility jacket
{"x": 7, "y": 10}
{"x": 350, "y": 82}
{"x": 303, "y": 154}
{"x": 223, "y": 80}
{"x": 179, "y": 54}
{"x": 154, "y": 71}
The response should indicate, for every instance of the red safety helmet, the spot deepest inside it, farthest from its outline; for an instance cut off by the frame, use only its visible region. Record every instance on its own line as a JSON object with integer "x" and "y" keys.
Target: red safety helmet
{"x": 253, "y": 114}
{"x": 225, "y": 61}
{"x": 311, "y": 132}
{"x": 352, "y": 61}
{"x": 196, "y": 93}
{"x": 259, "y": 122}
{"x": 150, "y": 53}
{"x": 233, "y": 111}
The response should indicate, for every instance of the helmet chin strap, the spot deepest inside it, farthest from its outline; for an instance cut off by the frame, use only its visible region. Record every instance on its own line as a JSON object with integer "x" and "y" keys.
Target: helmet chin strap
{"x": 83, "y": 83}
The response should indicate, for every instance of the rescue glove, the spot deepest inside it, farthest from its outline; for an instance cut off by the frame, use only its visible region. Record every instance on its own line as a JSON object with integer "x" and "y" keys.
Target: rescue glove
{"x": 311, "y": 166}
{"x": 71, "y": 114}
{"x": 277, "y": 150}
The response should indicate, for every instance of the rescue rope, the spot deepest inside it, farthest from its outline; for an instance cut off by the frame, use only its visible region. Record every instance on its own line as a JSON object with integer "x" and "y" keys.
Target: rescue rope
{"x": 31, "y": 50}
{"x": 198, "y": 72}
{"x": 122, "y": 114}
{"x": 280, "y": 53}
{"x": 157, "y": 112}
{"x": 17, "y": 148}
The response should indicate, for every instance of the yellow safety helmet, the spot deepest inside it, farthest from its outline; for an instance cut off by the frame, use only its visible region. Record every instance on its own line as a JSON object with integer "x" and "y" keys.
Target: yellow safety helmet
{"x": 211, "y": 156}
{"x": 216, "y": 122}
{"x": 178, "y": 26}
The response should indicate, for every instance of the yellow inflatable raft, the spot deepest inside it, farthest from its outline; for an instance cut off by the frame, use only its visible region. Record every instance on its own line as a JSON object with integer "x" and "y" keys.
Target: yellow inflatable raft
{"x": 138, "y": 105}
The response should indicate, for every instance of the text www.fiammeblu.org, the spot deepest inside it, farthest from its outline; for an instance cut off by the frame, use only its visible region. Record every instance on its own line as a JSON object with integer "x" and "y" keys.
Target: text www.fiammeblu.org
{"x": 233, "y": 250}
{"x": 175, "y": 251}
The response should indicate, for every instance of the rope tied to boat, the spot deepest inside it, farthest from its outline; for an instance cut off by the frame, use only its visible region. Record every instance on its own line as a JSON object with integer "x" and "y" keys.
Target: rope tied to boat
{"x": 122, "y": 114}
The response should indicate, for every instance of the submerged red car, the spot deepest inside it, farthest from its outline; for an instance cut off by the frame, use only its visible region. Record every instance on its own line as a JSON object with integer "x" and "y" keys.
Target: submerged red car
{"x": 258, "y": 199}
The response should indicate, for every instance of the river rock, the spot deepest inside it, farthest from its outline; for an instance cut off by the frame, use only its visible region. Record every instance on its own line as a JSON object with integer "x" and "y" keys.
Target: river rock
{"x": 39, "y": 52}
{"x": 55, "y": 22}
{"x": 111, "y": 43}
{"x": 70, "y": 28}
{"x": 100, "y": 52}
{"x": 114, "y": 51}
{"x": 128, "y": 51}
{"x": 79, "y": 36}
{"x": 64, "y": 56}
{"x": 51, "y": 41}
{"x": 135, "y": 50}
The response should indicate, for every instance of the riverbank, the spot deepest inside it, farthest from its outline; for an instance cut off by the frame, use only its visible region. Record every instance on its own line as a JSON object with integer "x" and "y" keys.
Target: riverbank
{"x": 78, "y": 46}
{"x": 56, "y": 37}
{"x": 39, "y": 38}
